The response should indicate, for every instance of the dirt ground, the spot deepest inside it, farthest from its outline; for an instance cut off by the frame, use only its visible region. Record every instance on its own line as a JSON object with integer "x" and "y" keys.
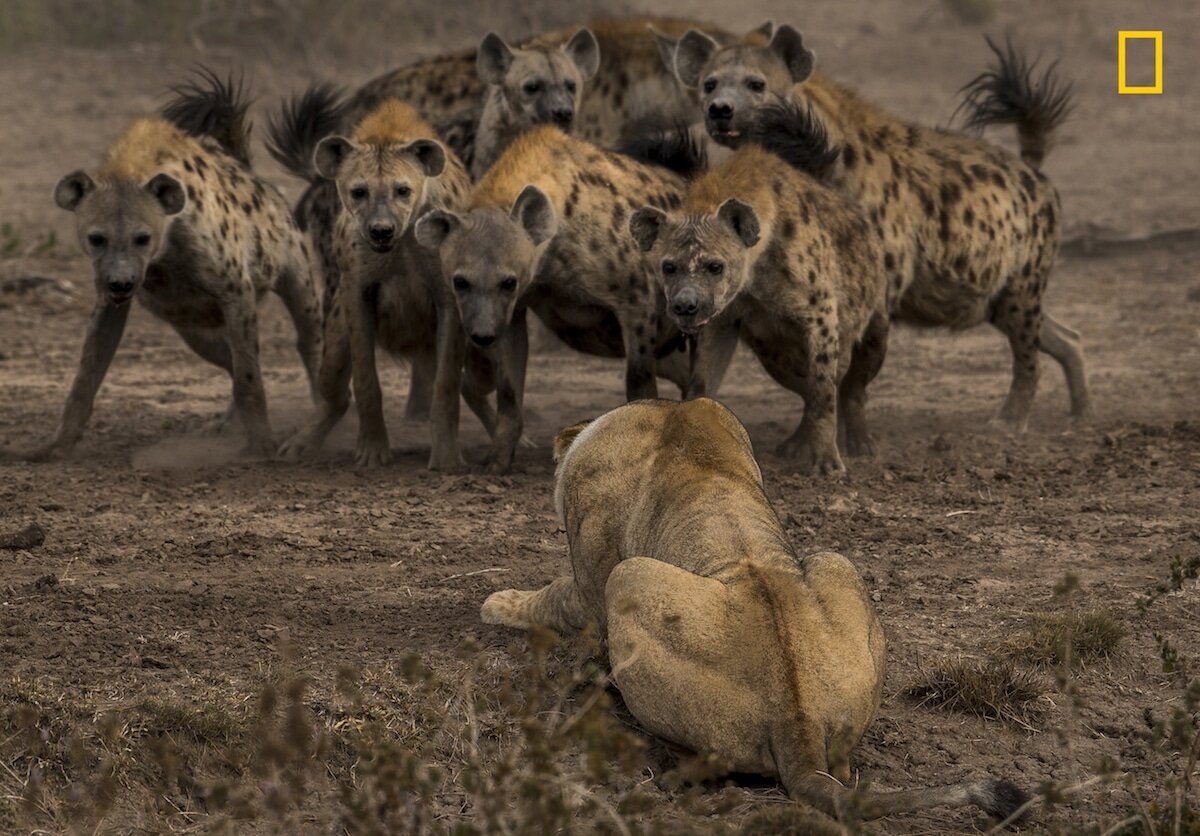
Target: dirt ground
{"x": 174, "y": 566}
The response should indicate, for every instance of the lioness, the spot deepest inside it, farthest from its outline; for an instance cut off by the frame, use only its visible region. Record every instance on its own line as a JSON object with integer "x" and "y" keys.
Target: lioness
{"x": 721, "y": 638}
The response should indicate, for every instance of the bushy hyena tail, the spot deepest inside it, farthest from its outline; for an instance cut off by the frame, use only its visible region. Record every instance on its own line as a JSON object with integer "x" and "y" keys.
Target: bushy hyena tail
{"x": 796, "y": 134}
{"x": 1009, "y": 93}
{"x": 302, "y": 122}
{"x": 675, "y": 147}
{"x": 208, "y": 105}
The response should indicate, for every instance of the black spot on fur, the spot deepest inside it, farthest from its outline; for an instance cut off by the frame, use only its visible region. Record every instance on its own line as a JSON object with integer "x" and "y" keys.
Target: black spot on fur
{"x": 788, "y": 231}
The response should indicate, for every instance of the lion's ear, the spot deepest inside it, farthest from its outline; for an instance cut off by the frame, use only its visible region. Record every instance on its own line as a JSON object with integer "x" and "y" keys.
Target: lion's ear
{"x": 565, "y": 437}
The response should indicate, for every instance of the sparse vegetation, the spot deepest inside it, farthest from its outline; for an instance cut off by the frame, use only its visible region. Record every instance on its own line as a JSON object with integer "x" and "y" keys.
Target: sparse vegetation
{"x": 990, "y": 688}
{"x": 1066, "y": 638}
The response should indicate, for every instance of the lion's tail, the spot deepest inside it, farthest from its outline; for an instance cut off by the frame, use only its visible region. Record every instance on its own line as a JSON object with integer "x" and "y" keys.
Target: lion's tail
{"x": 999, "y": 798}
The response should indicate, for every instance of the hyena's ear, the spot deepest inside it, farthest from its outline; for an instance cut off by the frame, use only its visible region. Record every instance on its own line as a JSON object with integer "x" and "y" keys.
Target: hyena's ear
{"x": 331, "y": 153}
{"x": 691, "y": 54}
{"x": 742, "y": 219}
{"x": 429, "y": 154}
{"x": 584, "y": 51}
{"x": 494, "y": 59}
{"x": 666, "y": 48}
{"x": 645, "y": 224}
{"x": 434, "y": 227}
{"x": 565, "y": 437}
{"x": 72, "y": 189}
{"x": 763, "y": 31}
{"x": 533, "y": 211}
{"x": 788, "y": 44}
{"x": 168, "y": 192}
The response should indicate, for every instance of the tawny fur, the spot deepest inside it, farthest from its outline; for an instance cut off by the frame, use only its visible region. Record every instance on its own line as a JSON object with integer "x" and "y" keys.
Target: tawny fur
{"x": 722, "y": 639}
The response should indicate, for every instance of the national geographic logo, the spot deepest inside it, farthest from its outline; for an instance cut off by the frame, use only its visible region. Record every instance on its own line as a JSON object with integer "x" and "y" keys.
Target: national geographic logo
{"x": 1124, "y": 88}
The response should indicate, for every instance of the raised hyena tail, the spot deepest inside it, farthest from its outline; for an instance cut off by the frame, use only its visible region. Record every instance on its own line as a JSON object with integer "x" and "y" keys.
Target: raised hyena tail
{"x": 675, "y": 147}
{"x": 301, "y": 123}
{"x": 1001, "y": 799}
{"x": 796, "y": 134}
{"x": 1010, "y": 93}
{"x": 208, "y": 105}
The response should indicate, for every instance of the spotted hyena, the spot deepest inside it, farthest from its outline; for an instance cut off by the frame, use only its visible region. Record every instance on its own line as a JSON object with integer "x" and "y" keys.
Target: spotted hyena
{"x": 761, "y": 249}
{"x": 969, "y": 232}
{"x": 545, "y": 230}
{"x": 388, "y": 171}
{"x": 175, "y": 218}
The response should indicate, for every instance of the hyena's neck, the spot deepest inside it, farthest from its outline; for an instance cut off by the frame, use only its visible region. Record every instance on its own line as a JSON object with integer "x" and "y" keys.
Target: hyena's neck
{"x": 497, "y": 130}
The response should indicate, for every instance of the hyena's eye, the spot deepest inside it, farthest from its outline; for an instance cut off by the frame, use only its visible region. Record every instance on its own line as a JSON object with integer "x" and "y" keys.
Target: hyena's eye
{"x": 710, "y": 85}
{"x": 531, "y": 87}
{"x": 509, "y": 284}
{"x": 570, "y": 85}
{"x": 756, "y": 84}
{"x": 669, "y": 268}
{"x": 358, "y": 192}
{"x": 96, "y": 240}
{"x": 142, "y": 240}
{"x": 403, "y": 191}
{"x": 714, "y": 268}
{"x": 461, "y": 283}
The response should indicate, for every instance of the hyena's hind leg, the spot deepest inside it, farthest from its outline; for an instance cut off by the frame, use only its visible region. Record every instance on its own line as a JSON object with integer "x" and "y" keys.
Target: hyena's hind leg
{"x": 865, "y": 363}
{"x": 557, "y": 606}
{"x": 213, "y": 347}
{"x": 1066, "y": 346}
{"x": 1017, "y": 314}
{"x": 298, "y": 291}
{"x": 420, "y": 387}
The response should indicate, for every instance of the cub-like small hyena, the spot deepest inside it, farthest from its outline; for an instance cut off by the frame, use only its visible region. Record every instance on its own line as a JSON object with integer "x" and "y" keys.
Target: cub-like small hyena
{"x": 762, "y": 249}
{"x": 545, "y": 230}
{"x": 387, "y": 172}
{"x": 181, "y": 223}
{"x": 969, "y": 231}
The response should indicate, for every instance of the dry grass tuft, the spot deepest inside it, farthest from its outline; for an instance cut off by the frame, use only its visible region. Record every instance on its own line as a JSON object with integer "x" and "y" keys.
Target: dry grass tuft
{"x": 1066, "y": 638}
{"x": 989, "y": 688}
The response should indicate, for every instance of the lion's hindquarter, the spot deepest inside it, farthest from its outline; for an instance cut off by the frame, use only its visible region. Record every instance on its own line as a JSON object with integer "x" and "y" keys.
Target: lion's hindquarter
{"x": 720, "y": 638}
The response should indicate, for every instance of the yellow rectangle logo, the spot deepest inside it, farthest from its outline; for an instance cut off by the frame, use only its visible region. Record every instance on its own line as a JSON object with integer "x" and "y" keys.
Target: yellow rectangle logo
{"x": 1122, "y": 87}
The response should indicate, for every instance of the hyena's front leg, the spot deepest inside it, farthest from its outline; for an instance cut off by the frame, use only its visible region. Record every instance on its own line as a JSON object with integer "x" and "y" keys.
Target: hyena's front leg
{"x": 814, "y": 443}
{"x": 714, "y": 347}
{"x": 444, "y": 452}
{"x": 104, "y": 332}
{"x": 509, "y": 358}
{"x": 333, "y": 385}
{"x": 638, "y": 333}
{"x": 373, "y": 446}
{"x": 241, "y": 333}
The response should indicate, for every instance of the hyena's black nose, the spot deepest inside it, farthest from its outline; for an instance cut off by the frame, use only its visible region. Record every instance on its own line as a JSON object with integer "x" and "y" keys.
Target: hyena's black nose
{"x": 563, "y": 116}
{"x": 720, "y": 110}
{"x": 483, "y": 340}
{"x": 120, "y": 287}
{"x": 382, "y": 232}
{"x": 685, "y": 303}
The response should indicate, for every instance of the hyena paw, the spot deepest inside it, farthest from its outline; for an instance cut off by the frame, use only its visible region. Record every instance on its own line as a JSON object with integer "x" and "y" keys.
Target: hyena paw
{"x": 300, "y": 446}
{"x": 446, "y": 460}
{"x": 372, "y": 453}
{"x": 262, "y": 447}
{"x": 823, "y": 460}
{"x": 860, "y": 444}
